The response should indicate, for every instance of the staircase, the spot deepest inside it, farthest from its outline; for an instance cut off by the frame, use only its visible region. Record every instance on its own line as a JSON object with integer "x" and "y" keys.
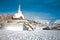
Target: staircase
{"x": 30, "y": 28}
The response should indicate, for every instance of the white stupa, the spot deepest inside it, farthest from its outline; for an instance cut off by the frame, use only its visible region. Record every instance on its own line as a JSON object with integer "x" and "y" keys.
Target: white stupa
{"x": 16, "y": 24}
{"x": 19, "y": 13}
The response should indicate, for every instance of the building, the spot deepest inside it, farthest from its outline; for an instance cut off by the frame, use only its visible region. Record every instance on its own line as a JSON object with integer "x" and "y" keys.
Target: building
{"x": 19, "y": 14}
{"x": 18, "y": 23}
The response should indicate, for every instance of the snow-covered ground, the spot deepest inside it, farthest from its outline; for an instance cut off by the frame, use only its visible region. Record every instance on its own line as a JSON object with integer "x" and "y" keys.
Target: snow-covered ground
{"x": 30, "y": 35}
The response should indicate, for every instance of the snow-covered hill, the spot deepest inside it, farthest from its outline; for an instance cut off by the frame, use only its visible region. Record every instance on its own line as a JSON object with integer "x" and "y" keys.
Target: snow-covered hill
{"x": 30, "y": 35}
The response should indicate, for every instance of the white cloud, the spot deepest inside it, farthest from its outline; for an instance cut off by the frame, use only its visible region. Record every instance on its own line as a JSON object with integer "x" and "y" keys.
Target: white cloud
{"x": 38, "y": 15}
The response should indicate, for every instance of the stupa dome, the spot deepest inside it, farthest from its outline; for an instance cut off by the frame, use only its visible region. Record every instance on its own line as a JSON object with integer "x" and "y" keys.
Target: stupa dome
{"x": 19, "y": 13}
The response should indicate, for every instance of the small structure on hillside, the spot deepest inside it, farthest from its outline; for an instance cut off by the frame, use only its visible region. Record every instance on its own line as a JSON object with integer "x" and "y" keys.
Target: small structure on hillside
{"x": 18, "y": 23}
{"x": 18, "y": 15}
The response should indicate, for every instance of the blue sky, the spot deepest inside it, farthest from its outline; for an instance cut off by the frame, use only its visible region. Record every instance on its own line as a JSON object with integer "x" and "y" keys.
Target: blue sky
{"x": 43, "y": 9}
